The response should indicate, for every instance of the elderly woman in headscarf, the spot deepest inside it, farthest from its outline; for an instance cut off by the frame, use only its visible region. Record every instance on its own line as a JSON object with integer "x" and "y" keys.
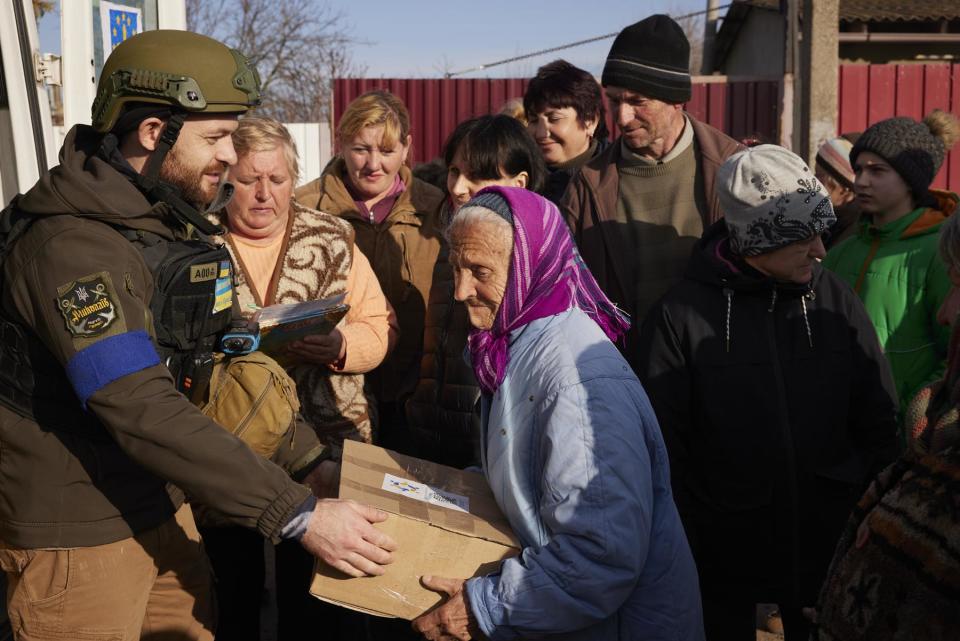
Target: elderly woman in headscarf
{"x": 570, "y": 446}
{"x": 896, "y": 571}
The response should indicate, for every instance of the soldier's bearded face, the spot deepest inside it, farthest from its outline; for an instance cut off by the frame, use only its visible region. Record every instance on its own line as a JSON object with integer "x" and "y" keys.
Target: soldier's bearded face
{"x": 199, "y": 160}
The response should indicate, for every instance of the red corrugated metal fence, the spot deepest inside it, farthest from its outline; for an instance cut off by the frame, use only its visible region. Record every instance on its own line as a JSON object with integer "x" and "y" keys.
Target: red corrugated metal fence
{"x": 743, "y": 109}
{"x": 869, "y": 93}
{"x": 740, "y": 108}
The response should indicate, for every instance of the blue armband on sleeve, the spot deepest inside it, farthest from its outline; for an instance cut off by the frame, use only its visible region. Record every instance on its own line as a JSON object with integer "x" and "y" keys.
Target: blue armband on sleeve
{"x": 94, "y": 367}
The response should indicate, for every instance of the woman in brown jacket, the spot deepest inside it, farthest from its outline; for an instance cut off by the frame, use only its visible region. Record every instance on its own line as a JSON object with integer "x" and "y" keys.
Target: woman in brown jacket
{"x": 396, "y": 220}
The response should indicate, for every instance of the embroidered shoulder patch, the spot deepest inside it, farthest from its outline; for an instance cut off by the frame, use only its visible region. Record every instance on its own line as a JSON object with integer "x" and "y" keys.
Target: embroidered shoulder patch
{"x": 88, "y": 305}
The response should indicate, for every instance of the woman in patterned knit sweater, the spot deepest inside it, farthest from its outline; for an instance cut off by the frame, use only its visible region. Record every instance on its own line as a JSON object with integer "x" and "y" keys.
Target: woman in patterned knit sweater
{"x": 896, "y": 572}
{"x": 287, "y": 253}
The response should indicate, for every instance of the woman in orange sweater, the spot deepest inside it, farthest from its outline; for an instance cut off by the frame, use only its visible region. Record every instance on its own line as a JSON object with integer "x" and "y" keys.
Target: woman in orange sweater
{"x": 287, "y": 253}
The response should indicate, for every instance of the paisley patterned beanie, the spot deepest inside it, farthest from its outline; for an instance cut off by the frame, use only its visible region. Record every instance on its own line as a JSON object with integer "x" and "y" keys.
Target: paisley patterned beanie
{"x": 770, "y": 199}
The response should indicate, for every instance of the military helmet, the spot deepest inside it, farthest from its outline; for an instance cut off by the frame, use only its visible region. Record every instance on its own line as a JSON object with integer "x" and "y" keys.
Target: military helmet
{"x": 178, "y": 68}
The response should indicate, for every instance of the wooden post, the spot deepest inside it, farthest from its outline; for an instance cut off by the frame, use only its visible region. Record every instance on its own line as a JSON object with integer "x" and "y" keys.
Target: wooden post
{"x": 819, "y": 71}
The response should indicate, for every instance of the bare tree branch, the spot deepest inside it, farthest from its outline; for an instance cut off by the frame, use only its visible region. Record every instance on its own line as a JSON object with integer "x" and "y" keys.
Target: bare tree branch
{"x": 298, "y": 46}
{"x": 693, "y": 28}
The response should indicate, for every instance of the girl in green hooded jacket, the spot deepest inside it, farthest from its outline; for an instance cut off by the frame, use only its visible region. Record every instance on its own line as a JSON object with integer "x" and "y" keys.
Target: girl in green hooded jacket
{"x": 892, "y": 261}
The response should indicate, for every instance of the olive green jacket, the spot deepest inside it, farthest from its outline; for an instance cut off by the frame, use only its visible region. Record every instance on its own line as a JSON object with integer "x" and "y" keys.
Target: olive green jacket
{"x": 83, "y": 476}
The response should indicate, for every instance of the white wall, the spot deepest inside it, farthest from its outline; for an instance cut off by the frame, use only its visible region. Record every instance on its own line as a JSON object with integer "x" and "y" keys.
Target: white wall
{"x": 313, "y": 147}
{"x": 20, "y": 166}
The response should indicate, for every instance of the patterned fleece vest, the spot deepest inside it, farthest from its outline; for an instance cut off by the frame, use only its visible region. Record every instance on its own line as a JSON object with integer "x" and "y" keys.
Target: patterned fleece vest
{"x": 314, "y": 263}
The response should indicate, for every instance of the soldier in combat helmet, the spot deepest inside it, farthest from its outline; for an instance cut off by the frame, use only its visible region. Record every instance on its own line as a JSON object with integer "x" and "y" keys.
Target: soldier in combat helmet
{"x": 99, "y": 440}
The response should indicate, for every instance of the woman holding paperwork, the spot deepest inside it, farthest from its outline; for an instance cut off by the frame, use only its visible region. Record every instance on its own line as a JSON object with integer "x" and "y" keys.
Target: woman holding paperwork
{"x": 570, "y": 446}
{"x": 287, "y": 253}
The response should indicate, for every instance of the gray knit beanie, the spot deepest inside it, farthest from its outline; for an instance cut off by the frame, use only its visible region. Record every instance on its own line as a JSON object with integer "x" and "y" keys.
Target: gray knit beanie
{"x": 494, "y": 202}
{"x": 770, "y": 199}
{"x": 911, "y": 148}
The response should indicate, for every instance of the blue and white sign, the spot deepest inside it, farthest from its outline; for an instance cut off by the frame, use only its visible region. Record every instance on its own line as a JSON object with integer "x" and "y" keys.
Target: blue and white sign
{"x": 118, "y": 22}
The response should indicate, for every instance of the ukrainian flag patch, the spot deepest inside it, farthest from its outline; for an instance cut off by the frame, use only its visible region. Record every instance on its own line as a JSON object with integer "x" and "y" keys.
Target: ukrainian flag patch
{"x": 224, "y": 288}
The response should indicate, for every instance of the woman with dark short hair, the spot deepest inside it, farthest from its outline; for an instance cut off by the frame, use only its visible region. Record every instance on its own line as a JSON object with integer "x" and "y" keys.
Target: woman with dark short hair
{"x": 490, "y": 150}
{"x": 564, "y": 108}
{"x": 484, "y": 151}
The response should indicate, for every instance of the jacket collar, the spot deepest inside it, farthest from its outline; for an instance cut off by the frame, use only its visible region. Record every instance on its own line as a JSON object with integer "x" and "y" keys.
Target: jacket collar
{"x": 336, "y": 199}
{"x": 93, "y": 185}
{"x": 919, "y": 222}
{"x": 713, "y": 263}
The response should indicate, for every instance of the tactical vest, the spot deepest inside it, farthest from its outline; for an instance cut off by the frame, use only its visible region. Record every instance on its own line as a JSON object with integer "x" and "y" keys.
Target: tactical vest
{"x": 192, "y": 306}
{"x": 192, "y": 303}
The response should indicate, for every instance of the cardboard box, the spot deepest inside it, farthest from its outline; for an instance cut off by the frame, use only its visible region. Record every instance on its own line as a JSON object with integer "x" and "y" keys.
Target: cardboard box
{"x": 445, "y": 522}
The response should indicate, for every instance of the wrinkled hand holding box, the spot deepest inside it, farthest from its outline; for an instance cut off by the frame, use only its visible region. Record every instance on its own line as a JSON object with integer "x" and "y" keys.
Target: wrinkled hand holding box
{"x": 445, "y": 522}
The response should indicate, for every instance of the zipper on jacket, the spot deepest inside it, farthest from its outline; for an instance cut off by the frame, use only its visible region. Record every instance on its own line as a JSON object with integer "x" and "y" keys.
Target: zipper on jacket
{"x": 406, "y": 265}
{"x": 874, "y": 247}
{"x": 441, "y": 355}
{"x": 251, "y": 413}
{"x": 728, "y": 292}
{"x": 793, "y": 499}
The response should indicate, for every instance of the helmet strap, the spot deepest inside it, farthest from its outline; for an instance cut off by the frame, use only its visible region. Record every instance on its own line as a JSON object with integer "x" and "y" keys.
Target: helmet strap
{"x": 158, "y": 190}
{"x": 168, "y": 138}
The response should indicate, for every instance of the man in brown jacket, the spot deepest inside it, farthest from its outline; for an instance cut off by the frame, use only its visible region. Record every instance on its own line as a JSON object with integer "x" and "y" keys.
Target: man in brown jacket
{"x": 637, "y": 209}
{"x": 99, "y": 446}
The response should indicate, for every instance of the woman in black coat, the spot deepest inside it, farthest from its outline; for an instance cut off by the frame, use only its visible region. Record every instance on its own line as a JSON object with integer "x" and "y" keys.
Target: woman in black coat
{"x": 774, "y": 397}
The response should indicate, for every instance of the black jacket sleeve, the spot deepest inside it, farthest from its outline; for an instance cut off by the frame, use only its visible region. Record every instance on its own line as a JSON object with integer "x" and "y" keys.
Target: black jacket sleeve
{"x": 873, "y": 402}
{"x": 663, "y": 369}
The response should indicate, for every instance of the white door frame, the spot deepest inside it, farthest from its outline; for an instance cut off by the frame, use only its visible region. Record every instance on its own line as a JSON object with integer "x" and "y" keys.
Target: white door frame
{"x": 34, "y": 149}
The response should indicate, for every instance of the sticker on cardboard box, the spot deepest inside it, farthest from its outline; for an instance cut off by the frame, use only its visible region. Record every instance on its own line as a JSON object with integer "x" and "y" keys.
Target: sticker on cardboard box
{"x": 448, "y": 500}
{"x": 404, "y": 487}
{"x": 425, "y": 493}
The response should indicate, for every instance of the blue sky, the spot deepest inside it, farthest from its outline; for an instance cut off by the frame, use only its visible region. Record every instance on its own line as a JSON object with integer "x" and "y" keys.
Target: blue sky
{"x": 420, "y": 37}
{"x": 414, "y": 39}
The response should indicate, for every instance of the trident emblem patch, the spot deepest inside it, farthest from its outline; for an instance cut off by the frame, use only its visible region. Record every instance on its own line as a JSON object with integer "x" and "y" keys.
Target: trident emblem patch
{"x": 87, "y": 305}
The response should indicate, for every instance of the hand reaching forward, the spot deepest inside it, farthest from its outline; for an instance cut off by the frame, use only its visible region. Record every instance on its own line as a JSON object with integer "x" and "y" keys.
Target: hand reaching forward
{"x": 341, "y": 534}
{"x": 453, "y": 619}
